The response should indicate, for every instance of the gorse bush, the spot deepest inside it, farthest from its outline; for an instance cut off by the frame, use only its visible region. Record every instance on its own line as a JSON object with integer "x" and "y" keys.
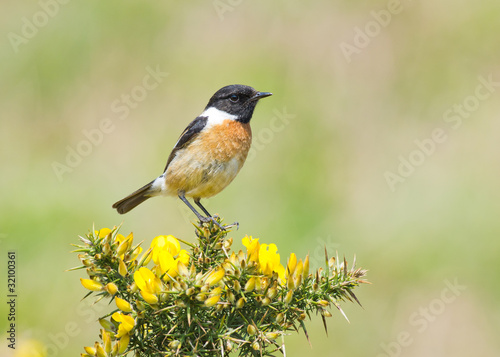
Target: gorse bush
{"x": 207, "y": 300}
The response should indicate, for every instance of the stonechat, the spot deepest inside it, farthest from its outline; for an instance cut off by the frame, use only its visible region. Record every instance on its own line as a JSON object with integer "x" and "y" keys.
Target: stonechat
{"x": 209, "y": 153}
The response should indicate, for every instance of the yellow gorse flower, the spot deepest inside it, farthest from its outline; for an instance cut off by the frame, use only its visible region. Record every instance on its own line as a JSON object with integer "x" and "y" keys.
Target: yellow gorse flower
{"x": 91, "y": 284}
{"x": 214, "y": 297}
{"x": 91, "y": 351}
{"x": 167, "y": 253}
{"x": 99, "y": 350}
{"x": 127, "y": 323}
{"x": 124, "y": 244}
{"x": 149, "y": 284}
{"x": 123, "y": 305}
{"x": 103, "y": 232}
{"x": 253, "y": 247}
{"x": 211, "y": 301}
{"x": 269, "y": 260}
{"x": 111, "y": 288}
{"x": 292, "y": 263}
{"x": 123, "y": 343}
{"x": 215, "y": 276}
{"x": 106, "y": 339}
{"x": 165, "y": 243}
{"x": 135, "y": 253}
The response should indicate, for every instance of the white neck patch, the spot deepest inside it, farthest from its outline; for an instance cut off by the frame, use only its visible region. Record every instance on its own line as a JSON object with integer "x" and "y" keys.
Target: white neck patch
{"x": 216, "y": 116}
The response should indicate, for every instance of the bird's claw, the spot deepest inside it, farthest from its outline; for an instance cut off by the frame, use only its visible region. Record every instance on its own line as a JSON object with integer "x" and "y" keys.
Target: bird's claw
{"x": 214, "y": 220}
{"x": 234, "y": 224}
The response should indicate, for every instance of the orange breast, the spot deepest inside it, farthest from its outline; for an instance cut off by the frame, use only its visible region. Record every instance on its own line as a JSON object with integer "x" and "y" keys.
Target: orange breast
{"x": 227, "y": 140}
{"x": 208, "y": 164}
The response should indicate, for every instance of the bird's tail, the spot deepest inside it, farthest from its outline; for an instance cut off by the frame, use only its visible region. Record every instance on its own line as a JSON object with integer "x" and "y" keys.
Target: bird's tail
{"x": 134, "y": 199}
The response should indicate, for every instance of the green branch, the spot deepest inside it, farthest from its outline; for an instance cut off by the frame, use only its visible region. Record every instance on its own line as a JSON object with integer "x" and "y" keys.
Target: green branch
{"x": 209, "y": 301}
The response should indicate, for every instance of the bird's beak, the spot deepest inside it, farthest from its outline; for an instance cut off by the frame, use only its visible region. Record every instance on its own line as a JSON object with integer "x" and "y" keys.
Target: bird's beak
{"x": 261, "y": 95}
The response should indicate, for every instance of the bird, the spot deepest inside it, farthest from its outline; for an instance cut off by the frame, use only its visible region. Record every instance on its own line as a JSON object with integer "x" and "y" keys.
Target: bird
{"x": 208, "y": 154}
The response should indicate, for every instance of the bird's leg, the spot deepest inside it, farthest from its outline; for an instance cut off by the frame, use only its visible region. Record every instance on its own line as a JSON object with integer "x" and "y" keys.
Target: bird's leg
{"x": 197, "y": 201}
{"x": 209, "y": 216}
{"x": 200, "y": 217}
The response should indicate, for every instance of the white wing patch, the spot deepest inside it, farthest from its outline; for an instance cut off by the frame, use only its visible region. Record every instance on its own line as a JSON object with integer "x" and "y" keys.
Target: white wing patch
{"x": 159, "y": 186}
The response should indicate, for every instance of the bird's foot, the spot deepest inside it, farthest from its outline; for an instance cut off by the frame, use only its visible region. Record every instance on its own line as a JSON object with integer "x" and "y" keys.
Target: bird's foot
{"x": 215, "y": 220}
{"x": 234, "y": 224}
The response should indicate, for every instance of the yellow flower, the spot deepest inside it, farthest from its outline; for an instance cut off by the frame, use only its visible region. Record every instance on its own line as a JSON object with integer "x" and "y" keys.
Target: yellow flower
{"x": 250, "y": 285}
{"x": 122, "y": 268}
{"x": 167, "y": 264}
{"x": 183, "y": 257}
{"x": 269, "y": 260}
{"x": 182, "y": 269}
{"x": 288, "y": 297}
{"x": 216, "y": 291}
{"x": 292, "y": 263}
{"x": 149, "y": 298}
{"x": 251, "y": 330}
{"x": 120, "y": 238}
{"x": 148, "y": 283}
{"x": 146, "y": 257}
{"x": 272, "y": 335}
{"x": 126, "y": 323}
{"x": 123, "y": 343}
{"x": 253, "y": 247}
{"x": 103, "y": 232}
{"x": 211, "y": 301}
{"x": 125, "y": 244}
{"x": 214, "y": 297}
{"x": 165, "y": 243}
{"x": 123, "y": 305}
{"x": 296, "y": 271}
{"x": 99, "y": 350}
{"x": 135, "y": 253}
{"x": 240, "y": 303}
{"x": 306, "y": 266}
{"x": 299, "y": 269}
{"x": 111, "y": 288}
{"x": 215, "y": 276}
{"x": 91, "y": 284}
{"x": 106, "y": 339}
{"x": 167, "y": 253}
{"x": 90, "y": 350}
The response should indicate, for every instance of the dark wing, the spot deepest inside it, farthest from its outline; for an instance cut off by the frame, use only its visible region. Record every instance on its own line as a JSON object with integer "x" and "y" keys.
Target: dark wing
{"x": 188, "y": 135}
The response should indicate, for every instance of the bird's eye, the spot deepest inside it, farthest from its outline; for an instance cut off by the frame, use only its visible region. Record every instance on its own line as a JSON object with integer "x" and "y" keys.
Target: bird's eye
{"x": 234, "y": 98}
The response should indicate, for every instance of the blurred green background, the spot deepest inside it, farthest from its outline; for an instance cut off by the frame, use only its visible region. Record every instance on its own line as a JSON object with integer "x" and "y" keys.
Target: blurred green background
{"x": 353, "y": 167}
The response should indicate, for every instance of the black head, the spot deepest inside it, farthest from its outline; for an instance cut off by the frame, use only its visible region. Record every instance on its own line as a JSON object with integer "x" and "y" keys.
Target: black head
{"x": 238, "y": 100}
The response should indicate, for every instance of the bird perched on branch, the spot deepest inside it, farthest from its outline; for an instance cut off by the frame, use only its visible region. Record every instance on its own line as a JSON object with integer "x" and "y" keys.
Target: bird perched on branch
{"x": 209, "y": 153}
